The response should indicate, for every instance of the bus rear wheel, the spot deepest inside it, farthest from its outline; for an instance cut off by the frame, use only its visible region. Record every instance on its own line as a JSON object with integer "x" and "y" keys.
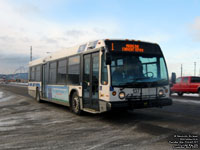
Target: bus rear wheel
{"x": 75, "y": 104}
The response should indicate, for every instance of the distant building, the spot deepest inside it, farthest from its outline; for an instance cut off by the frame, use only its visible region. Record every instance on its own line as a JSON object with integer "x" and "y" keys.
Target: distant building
{"x": 15, "y": 77}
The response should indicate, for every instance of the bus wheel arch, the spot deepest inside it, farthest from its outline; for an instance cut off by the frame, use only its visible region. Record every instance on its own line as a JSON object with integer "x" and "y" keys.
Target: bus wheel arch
{"x": 75, "y": 102}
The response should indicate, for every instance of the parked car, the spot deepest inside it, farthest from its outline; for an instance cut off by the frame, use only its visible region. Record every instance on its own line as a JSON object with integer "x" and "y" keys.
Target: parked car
{"x": 187, "y": 84}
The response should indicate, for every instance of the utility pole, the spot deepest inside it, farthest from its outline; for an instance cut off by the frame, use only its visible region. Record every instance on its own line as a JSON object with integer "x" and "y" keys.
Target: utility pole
{"x": 181, "y": 70}
{"x": 199, "y": 72}
{"x": 194, "y": 68}
{"x": 31, "y": 53}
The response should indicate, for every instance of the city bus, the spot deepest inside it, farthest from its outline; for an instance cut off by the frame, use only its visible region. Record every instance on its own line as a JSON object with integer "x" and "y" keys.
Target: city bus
{"x": 101, "y": 76}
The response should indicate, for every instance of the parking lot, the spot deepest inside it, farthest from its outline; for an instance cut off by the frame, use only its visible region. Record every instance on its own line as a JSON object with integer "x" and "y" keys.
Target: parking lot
{"x": 26, "y": 124}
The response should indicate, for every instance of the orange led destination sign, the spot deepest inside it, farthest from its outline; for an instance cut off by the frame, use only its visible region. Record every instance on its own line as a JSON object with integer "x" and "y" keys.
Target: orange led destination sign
{"x": 132, "y": 48}
{"x": 135, "y": 47}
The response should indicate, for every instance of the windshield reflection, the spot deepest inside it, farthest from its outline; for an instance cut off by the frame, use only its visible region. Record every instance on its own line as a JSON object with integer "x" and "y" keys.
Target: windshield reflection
{"x": 130, "y": 70}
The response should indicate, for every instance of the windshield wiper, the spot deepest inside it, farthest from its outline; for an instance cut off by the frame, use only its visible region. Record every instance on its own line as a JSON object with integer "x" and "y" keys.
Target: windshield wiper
{"x": 130, "y": 84}
{"x": 141, "y": 78}
{"x": 139, "y": 84}
{"x": 162, "y": 81}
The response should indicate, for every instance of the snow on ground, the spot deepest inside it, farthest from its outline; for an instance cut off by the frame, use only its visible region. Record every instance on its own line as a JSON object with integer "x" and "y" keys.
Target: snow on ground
{"x": 18, "y": 83}
{"x": 7, "y": 98}
{"x": 185, "y": 94}
{"x": 14, "y": 83}
{"x": 188, "y": 101}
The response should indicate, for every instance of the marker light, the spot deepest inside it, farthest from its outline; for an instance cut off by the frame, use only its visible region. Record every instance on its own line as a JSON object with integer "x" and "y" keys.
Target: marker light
{"x": 114, "y": 93}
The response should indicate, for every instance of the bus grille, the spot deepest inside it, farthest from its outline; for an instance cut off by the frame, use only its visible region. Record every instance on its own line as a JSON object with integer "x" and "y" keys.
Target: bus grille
{"x": 143, "y": 97}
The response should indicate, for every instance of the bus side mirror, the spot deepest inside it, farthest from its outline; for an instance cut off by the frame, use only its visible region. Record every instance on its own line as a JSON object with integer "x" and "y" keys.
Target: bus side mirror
{"x": 173, "y": 78}
{"x": 108, "y": 59}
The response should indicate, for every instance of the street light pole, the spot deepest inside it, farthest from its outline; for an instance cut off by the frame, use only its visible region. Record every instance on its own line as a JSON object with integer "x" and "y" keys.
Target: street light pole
{"x": 31, "y": 53}
{"x": 181, "y": 70}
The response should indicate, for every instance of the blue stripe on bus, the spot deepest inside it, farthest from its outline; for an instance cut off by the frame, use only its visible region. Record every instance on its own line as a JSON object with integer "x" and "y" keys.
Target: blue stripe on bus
{"x": 34, "y": 84}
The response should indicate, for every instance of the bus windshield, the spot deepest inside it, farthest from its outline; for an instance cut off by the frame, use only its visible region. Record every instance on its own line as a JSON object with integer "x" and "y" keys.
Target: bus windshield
{"x": 137, "y": 70}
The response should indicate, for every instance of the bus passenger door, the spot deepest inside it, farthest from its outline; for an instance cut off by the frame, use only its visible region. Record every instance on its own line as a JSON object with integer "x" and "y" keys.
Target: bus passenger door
{"x": 91, "y": 81}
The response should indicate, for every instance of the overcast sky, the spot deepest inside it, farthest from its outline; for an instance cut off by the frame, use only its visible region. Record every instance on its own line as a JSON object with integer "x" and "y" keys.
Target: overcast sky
{"x": 50, "y": 25}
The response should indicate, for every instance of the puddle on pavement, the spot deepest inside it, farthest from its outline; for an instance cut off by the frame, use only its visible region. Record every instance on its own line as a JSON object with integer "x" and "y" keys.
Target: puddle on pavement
{"x": 9, "y": 123}
{"x": 6, "y": 98}
{"x": 187, "y": 101}
{"x": 9, "y": 120}
{"x": 1, "y": 95}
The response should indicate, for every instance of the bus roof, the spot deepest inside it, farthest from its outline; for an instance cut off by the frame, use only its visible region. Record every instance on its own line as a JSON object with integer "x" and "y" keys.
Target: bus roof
{"x": 75, "y": 50}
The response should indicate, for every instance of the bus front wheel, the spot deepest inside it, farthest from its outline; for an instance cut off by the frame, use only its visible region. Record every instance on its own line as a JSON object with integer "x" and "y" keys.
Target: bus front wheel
{"x": 75, "y": 104}
{"x": 38, "y": 96}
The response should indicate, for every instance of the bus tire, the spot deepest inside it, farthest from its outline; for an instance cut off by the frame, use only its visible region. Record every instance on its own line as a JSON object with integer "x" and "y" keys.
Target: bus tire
{"x": 38, "y": 96}
{"x": 75, "y": 104}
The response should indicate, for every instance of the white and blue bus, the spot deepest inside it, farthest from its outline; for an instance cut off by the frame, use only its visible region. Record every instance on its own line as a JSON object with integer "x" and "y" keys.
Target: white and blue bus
{"x": 102, "y": 75}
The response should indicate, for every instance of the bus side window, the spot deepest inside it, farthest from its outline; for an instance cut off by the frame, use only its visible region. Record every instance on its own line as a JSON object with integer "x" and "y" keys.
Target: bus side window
{"x": 32, "y": 73}
{"x": 104, "y": 72}
{"x": 38, "y": 73}
{"x": 74, "y": 70}
{"x": 52, "y": 72}
{"x": 62, "y": 71}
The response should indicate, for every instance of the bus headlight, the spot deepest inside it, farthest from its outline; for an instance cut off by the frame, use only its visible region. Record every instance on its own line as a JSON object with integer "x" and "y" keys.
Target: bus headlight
{"x": 161, "y": 93}
{"x": 121, "y": 95}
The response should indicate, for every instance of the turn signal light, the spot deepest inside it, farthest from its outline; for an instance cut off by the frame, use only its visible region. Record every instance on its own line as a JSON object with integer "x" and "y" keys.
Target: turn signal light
{"x": 114, "y": 93}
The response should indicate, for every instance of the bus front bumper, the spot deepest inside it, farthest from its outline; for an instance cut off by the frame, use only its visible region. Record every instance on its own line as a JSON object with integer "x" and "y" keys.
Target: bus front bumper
{"x": 136, "y": 104}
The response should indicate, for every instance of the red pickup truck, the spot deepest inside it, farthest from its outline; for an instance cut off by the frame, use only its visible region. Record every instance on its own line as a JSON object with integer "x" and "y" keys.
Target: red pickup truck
{"x": 187, "y": 84}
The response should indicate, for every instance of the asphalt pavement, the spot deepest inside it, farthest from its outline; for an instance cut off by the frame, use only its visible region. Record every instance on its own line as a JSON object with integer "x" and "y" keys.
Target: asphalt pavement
{"x": 26, "y": 124}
